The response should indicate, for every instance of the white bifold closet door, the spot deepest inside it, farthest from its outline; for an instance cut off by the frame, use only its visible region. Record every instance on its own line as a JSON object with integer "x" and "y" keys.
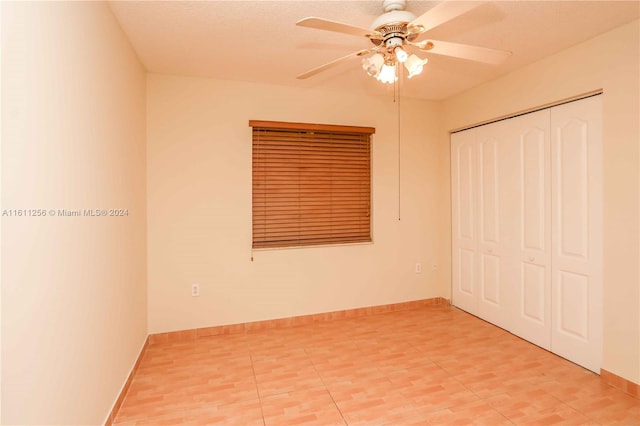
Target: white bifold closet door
{"x": 526, "y": 204}
{"x": 529, "y": 227}
{"x": 576, "y": 253}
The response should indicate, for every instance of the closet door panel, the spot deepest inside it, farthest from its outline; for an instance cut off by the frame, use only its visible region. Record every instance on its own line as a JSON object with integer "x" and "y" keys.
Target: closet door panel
{"x": 577, "y": 246}
{"x": 489, "y": 164}
{"x": 466, "y": 193}
{"x": 493, "y": 302}
{"x": 533, "y": 149}
{"x": 534, "y": 294}
{"x": 464, "y": 223}
{"x": 531, "y": 173}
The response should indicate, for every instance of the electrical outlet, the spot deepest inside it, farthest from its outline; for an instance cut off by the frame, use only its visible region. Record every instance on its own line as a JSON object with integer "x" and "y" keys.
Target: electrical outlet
{"x": 195, "y": 290}
{"x": 418, "y": 268}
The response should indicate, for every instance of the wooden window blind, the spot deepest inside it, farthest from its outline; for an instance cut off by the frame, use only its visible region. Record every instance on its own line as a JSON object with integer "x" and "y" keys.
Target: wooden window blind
{"x": 311, "y": 184}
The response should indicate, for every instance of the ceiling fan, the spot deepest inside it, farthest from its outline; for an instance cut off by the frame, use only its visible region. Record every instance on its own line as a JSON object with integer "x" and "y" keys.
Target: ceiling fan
{"x": 397, "y": 34}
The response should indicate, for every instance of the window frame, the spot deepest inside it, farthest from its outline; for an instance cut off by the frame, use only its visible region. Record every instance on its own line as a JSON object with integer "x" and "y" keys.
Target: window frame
{"x": 344, "y": 226}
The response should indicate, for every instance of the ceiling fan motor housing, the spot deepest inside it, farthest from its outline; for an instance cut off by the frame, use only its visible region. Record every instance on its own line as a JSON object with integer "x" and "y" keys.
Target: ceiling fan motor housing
{"x": 392, "y": 25}
{"x": 393, "y": 34}
{"x": 393, "y": 17}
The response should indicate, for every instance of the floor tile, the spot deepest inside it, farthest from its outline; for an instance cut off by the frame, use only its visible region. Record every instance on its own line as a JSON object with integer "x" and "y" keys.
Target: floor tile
{"x": 246, "y": 413}
{"x": 533, "y": 406}
{"x": 372, "y": 403}
{"x": 305, "y": 407}
{"x": 475, "y": 413}
{"x": 285, "y": 374}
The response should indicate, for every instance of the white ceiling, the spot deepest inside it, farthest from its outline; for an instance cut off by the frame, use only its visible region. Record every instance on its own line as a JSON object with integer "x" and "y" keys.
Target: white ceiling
{"x": 258, "y": 41}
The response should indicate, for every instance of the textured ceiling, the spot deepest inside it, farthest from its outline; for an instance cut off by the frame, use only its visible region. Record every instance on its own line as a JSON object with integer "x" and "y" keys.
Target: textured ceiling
{"x": 258, "y": 41}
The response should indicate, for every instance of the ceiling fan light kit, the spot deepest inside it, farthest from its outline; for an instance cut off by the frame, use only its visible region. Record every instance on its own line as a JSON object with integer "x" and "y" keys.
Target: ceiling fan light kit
{"x": 387, "y": 73}
{"x": 414, "y": 65}
{"x": 394, "y": 37}
{"x": 373, "y": 64}
{"x": 401, "y": 54}
{"x": 390, "y": 34}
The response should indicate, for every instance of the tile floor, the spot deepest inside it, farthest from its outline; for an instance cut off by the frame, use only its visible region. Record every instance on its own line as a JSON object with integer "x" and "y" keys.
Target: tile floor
{"x": 430, "y": 366}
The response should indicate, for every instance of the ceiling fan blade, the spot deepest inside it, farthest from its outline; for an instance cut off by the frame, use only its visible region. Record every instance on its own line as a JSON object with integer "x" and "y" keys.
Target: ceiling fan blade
{"x": 334, "y": 63}
{"x": 338, "y": 27}
{"x": 442, "y": 13}
{"x": 464, "y": 51}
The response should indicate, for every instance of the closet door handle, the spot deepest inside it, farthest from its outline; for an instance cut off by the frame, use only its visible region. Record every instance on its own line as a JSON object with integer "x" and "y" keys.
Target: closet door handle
{"x": 490, "y": 250}
{"x": 532, "y": 259}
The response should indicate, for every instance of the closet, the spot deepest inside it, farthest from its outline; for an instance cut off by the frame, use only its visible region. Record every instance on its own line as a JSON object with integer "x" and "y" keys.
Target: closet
{"x": 526, "y": 198}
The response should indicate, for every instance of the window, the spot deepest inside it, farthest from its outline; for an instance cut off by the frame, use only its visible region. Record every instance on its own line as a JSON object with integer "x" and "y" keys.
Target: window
{"x": 311, "y": 184}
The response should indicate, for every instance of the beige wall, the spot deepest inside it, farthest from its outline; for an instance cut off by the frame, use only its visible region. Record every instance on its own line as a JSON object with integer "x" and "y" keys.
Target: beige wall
{"x": 73, "y": 137}
{"x": 199, "y": 206}
{"x": 74, "y": 293}
{"x": 610, "y": 62}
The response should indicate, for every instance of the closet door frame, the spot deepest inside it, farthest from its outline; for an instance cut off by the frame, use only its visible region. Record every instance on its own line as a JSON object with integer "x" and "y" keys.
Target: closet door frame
{"x": 549, "y": 277}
